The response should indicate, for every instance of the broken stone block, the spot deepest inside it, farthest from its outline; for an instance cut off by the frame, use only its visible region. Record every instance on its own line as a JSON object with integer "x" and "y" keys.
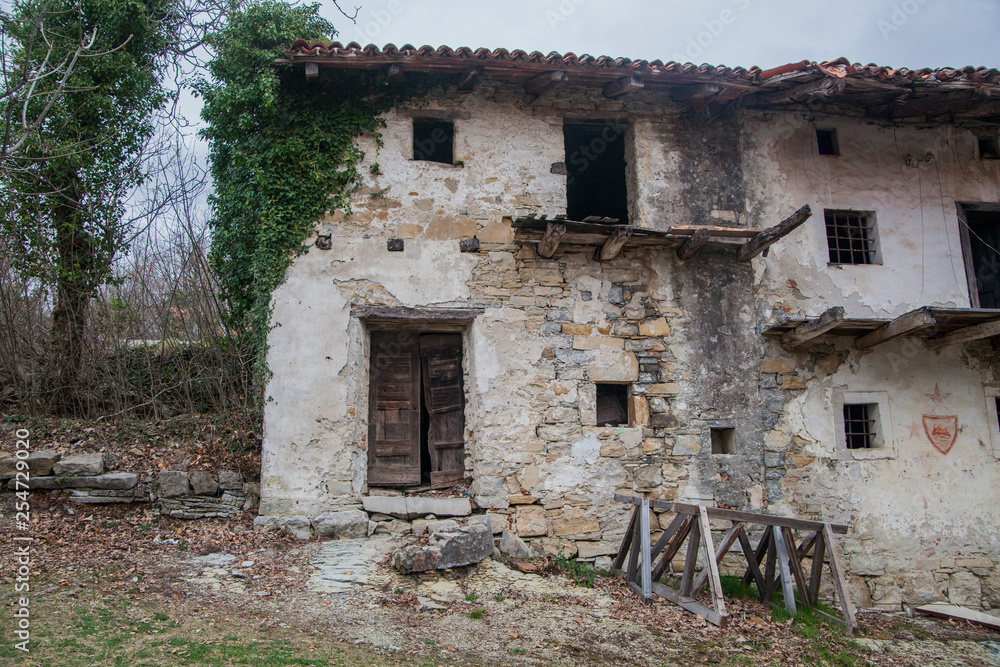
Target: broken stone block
{"x": 230, "y": 480}
{"x": 416, "y": 559}
{"x": 39, "y": 464}
{"x": 343, "y": 525}
{"x": 496, "y": 522}
{"x": 265, "y": 522}
{"x": 396, "y": 528}
{"x": 530, "y": 521}
{"x": 867, "y": 566}
{"x": 402, "y": 507}
{"x": 80, "y": 464}
{"x": 446, "y": 526}
{"x": 463, "y": 547}
{"x": 172, "y": 483}
{"x": 965, "y": 590}
{"x": 514, "y": 546}
{"x": 298, "y": 525}
{"x": 203, "y": 483}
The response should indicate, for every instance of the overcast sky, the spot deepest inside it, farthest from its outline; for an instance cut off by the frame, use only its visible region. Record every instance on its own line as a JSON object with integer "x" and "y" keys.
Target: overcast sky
{"x": 899, "y": 33}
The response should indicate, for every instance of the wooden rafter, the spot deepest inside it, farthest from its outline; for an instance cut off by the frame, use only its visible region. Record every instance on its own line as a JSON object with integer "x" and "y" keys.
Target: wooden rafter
{"x": 544, "y": 83}
{"x": 699, "y": 238}
{"x": 395, "y": 74}
{"x": 615, "y": 243}
{"x": 769, "y": 236}
{"x": 471, "y": 80}
{"x": 903, "y": 325}
{"x": 550, "y": 241}
{"x": 813, "y": 328}
{"x": 966, "y": 335}
{"x": 697, "y": 91}
{"x": 624, "y": 86}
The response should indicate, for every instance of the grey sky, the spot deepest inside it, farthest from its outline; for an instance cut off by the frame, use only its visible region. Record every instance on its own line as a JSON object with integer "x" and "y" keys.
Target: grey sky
{"x": 900, "y": 33}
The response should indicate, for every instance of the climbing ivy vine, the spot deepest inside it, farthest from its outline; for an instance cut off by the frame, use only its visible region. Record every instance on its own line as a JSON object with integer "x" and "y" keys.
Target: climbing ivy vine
{"x": 282, "y": 154}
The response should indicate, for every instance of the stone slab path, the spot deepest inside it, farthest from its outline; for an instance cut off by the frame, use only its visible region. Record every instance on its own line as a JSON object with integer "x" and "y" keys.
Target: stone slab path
{"x": 341, "y": 564}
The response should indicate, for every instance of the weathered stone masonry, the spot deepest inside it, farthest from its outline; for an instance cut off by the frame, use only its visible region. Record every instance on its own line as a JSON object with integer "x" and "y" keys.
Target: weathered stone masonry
{"x": 685, "y": 336}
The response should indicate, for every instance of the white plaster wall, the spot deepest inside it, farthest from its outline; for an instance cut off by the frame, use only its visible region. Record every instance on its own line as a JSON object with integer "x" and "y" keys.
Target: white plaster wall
{"x": 918, "y": 229}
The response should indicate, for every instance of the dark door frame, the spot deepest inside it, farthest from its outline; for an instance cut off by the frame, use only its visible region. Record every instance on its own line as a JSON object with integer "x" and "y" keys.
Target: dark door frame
{"x": 963, "y": 227}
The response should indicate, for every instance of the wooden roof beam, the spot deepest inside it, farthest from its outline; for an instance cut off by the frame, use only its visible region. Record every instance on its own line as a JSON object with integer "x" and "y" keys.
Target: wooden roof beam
{"x": 807, "y": 331}
{"x": 624, "y": 86}
{"x": 694, "y": 243}
{"x": 694, "y": 92}
{"x": 543, "y": 83}
{"x": 312, "y": 72}
{"x": 966, "y": 335}
{"x": 550, "y": 241}
{"x": 771, "y": 235}
{"x": 615, "y": 242}
{"x": 904, "y": 325}
{"x": 395, "y": 74}
{"x": 471, "y": 80}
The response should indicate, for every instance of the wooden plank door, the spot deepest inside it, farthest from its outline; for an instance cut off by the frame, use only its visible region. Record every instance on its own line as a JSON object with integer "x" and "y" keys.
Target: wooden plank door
{"x": 394, "y": 418}
{"x": 444, "y": 398}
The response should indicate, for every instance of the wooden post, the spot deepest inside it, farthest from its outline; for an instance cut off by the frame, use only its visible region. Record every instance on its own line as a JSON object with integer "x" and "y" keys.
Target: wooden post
{"x": 711, "y": 566}
{"x": 720, "y": 553}
{"x": 553, "y": 234}
{"x": 838, "y": 580}
{"x": 626, "y": 542}
{"x": 646, "y": 565}
{"x": 786, "y": 576}
{"x": 753, "y": 567}
{"x": 817, "y": 569}
{"x": 691, "y": 561}
{"x": 796, "y": 565}
{"x": 674, "y": 545}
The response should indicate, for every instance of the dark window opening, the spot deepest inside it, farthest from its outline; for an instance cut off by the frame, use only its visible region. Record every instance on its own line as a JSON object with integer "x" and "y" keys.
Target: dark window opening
{"x": 723, "y": 440}
{"x": 612, "y": 404}
{"x": 434, "y": 140}
{"x": 989, "y": 147}
{"x": 851, "y": 237}
{"x": 595, "y": 165}
{"x": 827, "y": 142}
{"x": 861, "y": 425}
{"x": 984, "y": 239}
{"x": 996, "y": 402}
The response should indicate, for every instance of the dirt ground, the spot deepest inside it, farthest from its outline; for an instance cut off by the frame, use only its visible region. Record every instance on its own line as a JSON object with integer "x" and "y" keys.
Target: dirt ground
{"x": 125, "y": 586}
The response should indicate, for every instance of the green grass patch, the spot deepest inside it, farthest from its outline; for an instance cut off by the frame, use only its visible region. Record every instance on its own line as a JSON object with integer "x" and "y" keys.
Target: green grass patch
{"x": 477, "y": 614}
{"x": 582, "y": 573}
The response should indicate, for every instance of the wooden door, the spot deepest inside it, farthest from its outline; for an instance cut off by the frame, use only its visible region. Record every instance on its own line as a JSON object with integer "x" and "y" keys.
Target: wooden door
{"x": 394, "y": 419}
{"x": 444, "y": 398}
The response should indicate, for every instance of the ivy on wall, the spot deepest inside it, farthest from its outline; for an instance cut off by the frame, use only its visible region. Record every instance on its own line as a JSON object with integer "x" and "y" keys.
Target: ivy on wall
{"x": 282, "y": 154}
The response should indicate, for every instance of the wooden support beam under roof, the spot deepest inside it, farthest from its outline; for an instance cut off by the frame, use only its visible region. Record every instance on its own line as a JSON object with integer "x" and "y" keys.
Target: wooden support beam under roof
{"x": 312, "y": 71}
{"x": 699, "y": 238}
{"x": 550, "y": 241}
{"x": 624, "y": 86}
{"x": 904, "y": 325}
{"x": 813, "y": 328}
{"x": 615, "y": 243}
{"x": 697, "y": 91}
{"x": 769, "y": 236}
{"x": 395, "y": 74}
{"x": 543, "y": 83}
{"x": 731, "y": 232}
{"x": 471, "y": 80}
{"x": 966, "y": 335}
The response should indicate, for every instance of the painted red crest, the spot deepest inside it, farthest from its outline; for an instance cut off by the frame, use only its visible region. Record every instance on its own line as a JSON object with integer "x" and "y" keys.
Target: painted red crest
{"x": 941, "y": 431}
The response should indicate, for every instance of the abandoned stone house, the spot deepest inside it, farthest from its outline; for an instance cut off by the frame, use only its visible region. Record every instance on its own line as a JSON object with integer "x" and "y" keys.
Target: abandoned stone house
{"x": 571, "y": 276}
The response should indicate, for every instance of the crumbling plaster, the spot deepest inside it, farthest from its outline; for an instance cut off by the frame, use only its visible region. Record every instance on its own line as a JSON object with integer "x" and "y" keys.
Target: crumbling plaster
{"x": 684, "y": 335}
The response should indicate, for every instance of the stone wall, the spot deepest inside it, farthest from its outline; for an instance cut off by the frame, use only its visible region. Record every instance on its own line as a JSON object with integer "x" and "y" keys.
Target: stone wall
{"x": 685, "y": 336}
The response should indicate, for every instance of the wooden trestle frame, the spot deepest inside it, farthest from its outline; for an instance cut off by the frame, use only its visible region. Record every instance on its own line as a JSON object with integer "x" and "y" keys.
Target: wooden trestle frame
{"x": 644, "y": 563}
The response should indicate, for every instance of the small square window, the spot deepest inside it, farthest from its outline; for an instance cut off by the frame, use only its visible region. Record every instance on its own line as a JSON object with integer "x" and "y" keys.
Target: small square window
{"x": 861, "y": 426}
{"x": 826, "y": 140}
{"x": 434, "y": 140}
{"x": 850, "y": 236}
{"x": 612, "y": 404}
{"x": 723, "y": 440}
{"x": 989, "y": 147}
